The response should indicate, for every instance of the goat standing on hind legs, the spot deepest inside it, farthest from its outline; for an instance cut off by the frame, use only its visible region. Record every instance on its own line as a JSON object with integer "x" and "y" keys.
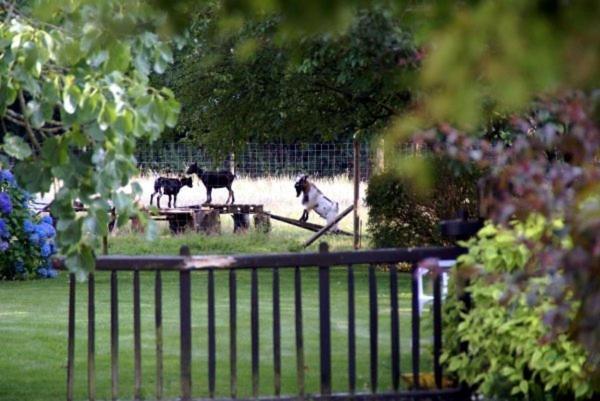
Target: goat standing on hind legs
{"x": 170, "y": 187}
{"x": 313, "y": 199}
{"x": 214, "y": 179}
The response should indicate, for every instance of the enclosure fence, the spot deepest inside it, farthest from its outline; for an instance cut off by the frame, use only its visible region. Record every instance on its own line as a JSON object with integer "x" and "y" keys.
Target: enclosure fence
{"x": 321, "y": 263}
{"x": 258, "y": 160}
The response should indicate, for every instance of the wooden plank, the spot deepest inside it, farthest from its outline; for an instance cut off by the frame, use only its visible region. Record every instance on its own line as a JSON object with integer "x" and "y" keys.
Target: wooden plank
{"x": 308, "y": 226}
{"x": 322, "y": 231}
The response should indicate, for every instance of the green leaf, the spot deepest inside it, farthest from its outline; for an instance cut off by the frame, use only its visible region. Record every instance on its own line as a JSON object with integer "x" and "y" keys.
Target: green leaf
{"x": 71, "y": 96}
{"x": 16, "y": 147}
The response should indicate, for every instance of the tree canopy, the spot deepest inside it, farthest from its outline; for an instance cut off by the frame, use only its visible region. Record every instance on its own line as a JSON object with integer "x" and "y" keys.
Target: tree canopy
{"x": 250, "y": 83}
{"x": 75, "y": 97}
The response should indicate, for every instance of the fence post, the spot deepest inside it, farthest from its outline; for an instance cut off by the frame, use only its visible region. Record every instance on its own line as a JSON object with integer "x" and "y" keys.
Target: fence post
{"x": 185, "y": 328}
{"x": 356, "y": 189}
{"x": 324, "y": 324}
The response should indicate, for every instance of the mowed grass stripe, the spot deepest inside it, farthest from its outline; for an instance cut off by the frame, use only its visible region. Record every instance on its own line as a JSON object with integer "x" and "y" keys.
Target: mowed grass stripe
{"x": 33, "y": 328}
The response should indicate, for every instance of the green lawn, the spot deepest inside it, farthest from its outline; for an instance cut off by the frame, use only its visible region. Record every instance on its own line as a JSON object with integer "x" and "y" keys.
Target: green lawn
{"x": 33, "y": 333}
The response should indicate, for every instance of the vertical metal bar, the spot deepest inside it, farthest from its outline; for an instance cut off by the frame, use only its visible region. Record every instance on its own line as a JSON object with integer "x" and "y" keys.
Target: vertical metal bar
{"x": 211, "y": 334}
{"x": 254, "y": 330}
{"x": 351, "y": 333}
{"x": 324, "y": 325}
{"x": 114, "y": 335}
{"x": 373, "y": 326}
{"x": 185, "y": 333}
{"x": 276, "y": 333}
{"x": 299, "y": 331}
{"x": 137, "y": 343}
{"x": 437, "y": 329}
{"x": 159, "y": 333}
{"x": 395, "y": 320}
{"x": 415, "y": 327}
{"x": 232, "y": 334}
{"x": 91, "y": 339}
{"x": 71, "y": 339}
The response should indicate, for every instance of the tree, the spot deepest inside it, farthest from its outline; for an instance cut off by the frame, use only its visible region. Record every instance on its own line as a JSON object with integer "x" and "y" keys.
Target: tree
{"x": 250, "y": 84}
{"x": 74, "y": 99}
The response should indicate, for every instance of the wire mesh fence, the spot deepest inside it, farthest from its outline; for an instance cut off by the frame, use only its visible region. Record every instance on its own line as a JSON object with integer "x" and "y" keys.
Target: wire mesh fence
{"x": 259, "y": 160}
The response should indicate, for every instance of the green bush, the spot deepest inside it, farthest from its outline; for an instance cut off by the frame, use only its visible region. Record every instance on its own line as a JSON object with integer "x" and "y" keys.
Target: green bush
{"x": 401, "y": 215}
{"x": 509, "y": 355}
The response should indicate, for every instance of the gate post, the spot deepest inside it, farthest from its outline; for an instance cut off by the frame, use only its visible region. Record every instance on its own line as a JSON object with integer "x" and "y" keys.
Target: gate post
{"x": 461, "y": 229}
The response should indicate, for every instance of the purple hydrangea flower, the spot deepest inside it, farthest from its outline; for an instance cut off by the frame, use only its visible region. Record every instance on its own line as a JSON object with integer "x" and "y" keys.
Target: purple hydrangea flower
{"x": 5, "y": 203}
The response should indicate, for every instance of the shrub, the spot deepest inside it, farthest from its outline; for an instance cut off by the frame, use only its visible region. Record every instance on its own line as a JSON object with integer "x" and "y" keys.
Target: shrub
{"x": 26, "y": 239}
{"x": 400, "y": 215}
{"x": 509, "y": 354}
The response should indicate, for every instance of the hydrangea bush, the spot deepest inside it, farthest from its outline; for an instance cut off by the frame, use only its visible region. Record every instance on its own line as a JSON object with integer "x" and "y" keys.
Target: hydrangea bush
{"x": 26, "y": 239}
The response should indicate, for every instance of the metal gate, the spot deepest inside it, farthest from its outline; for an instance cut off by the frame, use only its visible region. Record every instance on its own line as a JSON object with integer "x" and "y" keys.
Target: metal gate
{"x": 186, "y": 266}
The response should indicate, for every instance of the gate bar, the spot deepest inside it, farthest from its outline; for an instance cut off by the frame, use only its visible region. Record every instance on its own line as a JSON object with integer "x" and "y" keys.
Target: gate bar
{"x": 351, "y": 333}
{"x": 395, "y": 335}
{"x": 299, "y": 333}
{"x": 232, "y": 334}
{"x": 71, "y": 339}
{"x": 114, "y": 335}
{"x": 276, "y": 333}
{"x": 159, "y": 333}
{"x": 211, "y": 334}
{"x": 91, "y": 339}
{"x": 254, "y": 331}
{"x": 437, "y": 328}
{"x": 325, "y": 324}
{"x": 137, "y": 342}
{"x": 416, "y": 321}
{"x": 373, "y": 326}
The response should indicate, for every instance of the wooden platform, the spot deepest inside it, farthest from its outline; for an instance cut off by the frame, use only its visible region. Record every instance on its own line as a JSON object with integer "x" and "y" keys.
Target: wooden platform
{"x": 205, "y": 218}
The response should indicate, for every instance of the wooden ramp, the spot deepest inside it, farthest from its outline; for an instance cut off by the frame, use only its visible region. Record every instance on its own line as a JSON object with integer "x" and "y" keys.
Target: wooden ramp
{"x": 307, "y": 226}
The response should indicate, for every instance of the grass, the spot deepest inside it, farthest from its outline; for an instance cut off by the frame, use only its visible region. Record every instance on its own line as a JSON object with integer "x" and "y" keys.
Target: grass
{"x": 33, "y": 334}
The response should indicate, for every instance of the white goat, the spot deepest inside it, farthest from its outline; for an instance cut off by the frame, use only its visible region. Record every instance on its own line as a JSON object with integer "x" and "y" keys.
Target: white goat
{"x": 313, "y": 199}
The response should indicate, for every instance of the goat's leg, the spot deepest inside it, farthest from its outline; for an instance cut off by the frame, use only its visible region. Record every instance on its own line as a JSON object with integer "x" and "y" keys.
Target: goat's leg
{"x": 232, "y": 195}
{"x": 151, "y": 197}
{"x": 208, "y": 196}
{"x": 169, "y": 201}
{"x": 304, "y": 216}
{"x": 175, "y": 200}
{"x": 158, "y": 201}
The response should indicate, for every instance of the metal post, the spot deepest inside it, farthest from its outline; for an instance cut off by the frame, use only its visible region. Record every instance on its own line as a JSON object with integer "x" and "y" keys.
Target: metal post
{"x": 356, "y": 190}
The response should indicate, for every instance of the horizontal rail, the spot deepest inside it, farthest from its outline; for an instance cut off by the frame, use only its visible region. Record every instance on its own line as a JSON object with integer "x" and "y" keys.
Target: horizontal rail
{"x": 180, "y": 263}
{"x": 445, "y": 394}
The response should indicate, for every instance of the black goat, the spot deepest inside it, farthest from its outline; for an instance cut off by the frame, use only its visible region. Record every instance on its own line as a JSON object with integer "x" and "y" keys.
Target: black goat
{"x": 170, "y": 187}
{"x": 213, "y": 179}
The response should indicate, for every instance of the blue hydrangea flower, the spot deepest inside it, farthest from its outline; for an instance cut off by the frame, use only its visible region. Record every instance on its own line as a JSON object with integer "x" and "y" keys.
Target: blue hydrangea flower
{"x": 42, "y": 272}
{"x": 45, "y": 250}
{"x": 51, "y": 273}
{"x": 5, "y": 203}
{"x": 6, "y": 175}
{"x": 47, "y": 219}
{"x": 28, "y": 226}
{"x": 35, "y": 238}
{"x": 3, "y": 246}
{"x": 45, "y": 230}
{"x": 4, "y": 231}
